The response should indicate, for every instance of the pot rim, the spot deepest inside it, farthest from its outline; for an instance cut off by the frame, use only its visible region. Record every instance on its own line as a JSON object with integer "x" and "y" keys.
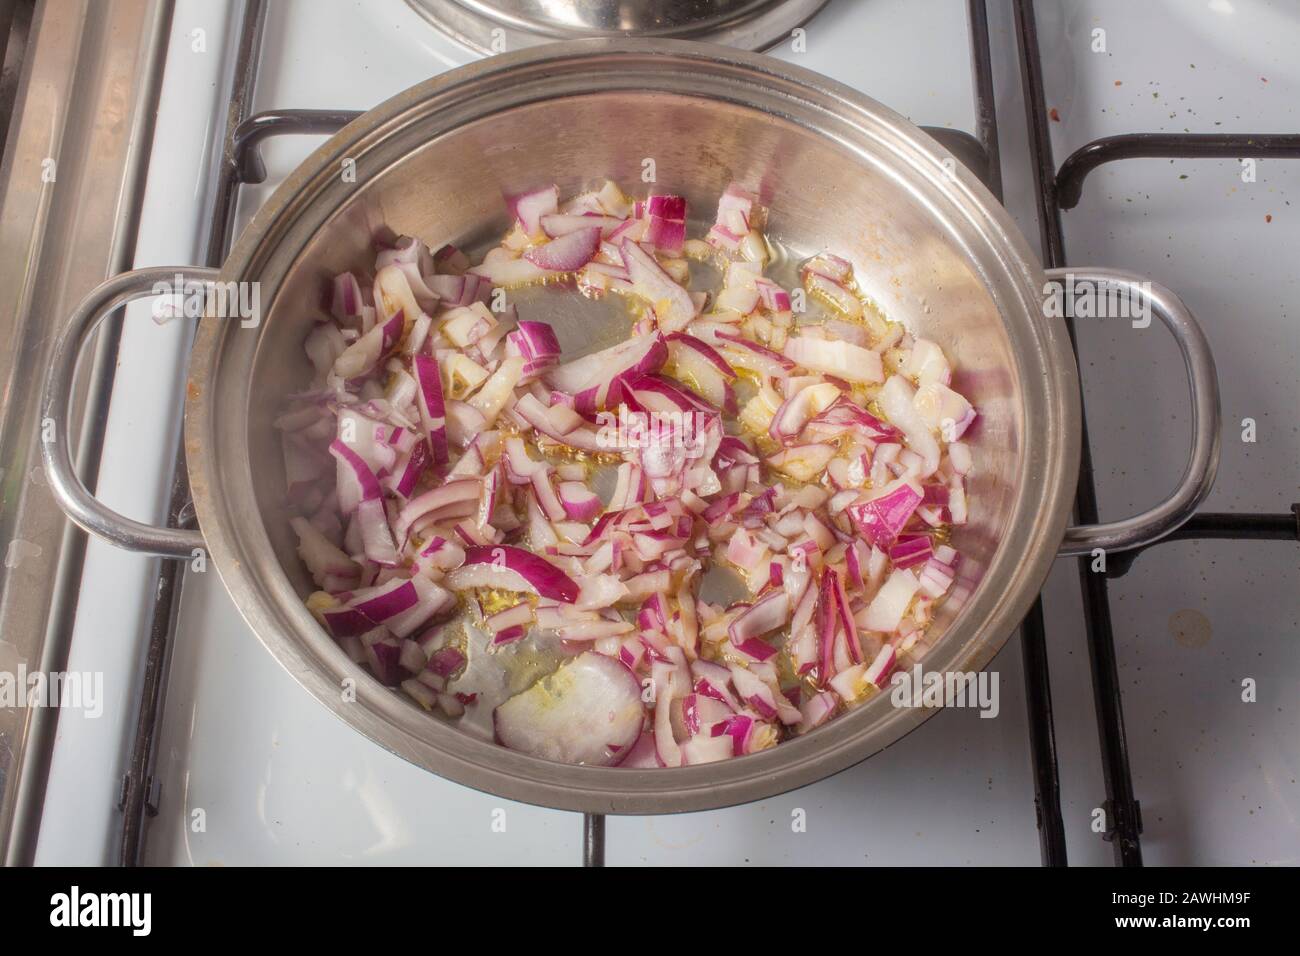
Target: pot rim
{"x": 223, "y": 491}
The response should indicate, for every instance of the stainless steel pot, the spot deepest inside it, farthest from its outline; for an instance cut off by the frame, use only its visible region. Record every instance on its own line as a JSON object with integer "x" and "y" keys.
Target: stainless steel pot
{"x": 838, "y": 172}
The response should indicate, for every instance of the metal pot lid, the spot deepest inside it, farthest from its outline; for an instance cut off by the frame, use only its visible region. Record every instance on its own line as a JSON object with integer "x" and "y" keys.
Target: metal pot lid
{"x": 498, "y": 26}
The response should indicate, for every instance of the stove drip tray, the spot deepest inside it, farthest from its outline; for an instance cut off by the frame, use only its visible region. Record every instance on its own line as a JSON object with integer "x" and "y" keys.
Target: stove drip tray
{"x": 496, "y": 26}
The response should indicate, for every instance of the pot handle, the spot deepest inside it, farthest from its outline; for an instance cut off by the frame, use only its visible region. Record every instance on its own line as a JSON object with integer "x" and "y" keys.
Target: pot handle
{"x": 1154, "y": 523}
{"x": 69, "y": 491}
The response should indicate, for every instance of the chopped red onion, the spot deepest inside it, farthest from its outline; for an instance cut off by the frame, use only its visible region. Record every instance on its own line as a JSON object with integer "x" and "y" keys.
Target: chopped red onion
{"x": 406, "y": 497}
{"x": 528, "y": 208}
{"x": 568, "y": 253}
{"x": 512, "y": 569}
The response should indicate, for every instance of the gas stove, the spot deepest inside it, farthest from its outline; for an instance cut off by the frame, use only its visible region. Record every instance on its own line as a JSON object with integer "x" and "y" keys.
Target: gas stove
{"x": 1145, "y": 713}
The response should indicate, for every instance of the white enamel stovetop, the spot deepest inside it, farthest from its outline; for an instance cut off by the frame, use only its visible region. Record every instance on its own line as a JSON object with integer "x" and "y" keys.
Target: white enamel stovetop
{"x": 281, "y": 781}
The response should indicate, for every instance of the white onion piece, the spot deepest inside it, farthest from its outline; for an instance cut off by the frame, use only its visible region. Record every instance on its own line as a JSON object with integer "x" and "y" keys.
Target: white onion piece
{"x": 927, "y": 363}
{"x": 463, "y": 423}
{"x": 641, "y": 355}
{"x": 561, "y": 224}
{"x": 942, "y": 408}
{"x": 393, "y": 293}
{"x": 704, "y": 748}
{"x": 600, "y": 591}
{"x": 587, "y": 712}
{"x": 529, "y": 207}
{"x": 896, "y": 401}
{"x": 510, "y": 273}
{"x": 804, "y": 462}
{"x": 795, "y": 411}
{"x": 324, "y": 345}
{"x": 376, "y": 535}
{"x": 369, "y": 350}
{"x": 673, "y": 306}
{"x": 959, "y": 455}
{"x": 841, "y": 359}
{"x": 320, "y": 555}
{"x": 816, "y": 711}
{"x": 704, "y": 368}
{"x": 835, "y": 294}
{"x": 890, "y": 603}
{"x": 497, "y": 390}
{"x": 613, "y": 200}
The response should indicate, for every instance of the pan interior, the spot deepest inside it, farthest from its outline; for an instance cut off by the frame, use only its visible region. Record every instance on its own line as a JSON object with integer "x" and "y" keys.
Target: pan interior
{"x": 449, "y": 187}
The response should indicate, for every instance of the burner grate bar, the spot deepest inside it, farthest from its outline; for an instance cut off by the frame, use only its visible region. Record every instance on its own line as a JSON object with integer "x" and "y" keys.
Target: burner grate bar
{"x": 1108, "y": 149}
{"x": 140, "y": 789}
{"x": 1122, "y": 813}
{"x": 1220, "y": 527}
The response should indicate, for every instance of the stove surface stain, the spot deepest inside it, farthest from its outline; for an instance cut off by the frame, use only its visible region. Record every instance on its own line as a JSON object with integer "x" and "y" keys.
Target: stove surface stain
{"x": 1190, "y": 628}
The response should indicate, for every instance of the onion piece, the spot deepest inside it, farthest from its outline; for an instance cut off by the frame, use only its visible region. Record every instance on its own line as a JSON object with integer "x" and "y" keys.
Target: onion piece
{"x": 536, "y": 344}
{"x": 429, "y": 402}
{"x": 370, "y": 607}
{"x": 512, "y": 569}
{"x": 376, "y": 535}
{"x": 926, "y": 363}
{"x": 896, "y": 401}
{"x": 560, "y": 424}
{"x": 911, "y": 550}
{"x": 511, "y": 273}
{"x": 580, "y": 502}
{"x": 852, "y": 363}
{"x": 498, "y": 390}
{"x": 959, "y": 455}
{"x": 562, "y": 224}
{"x": 834, "y": 294}
{"x": 762, "y": 617}
{"x": 431, "y": 601}
{"x": 346, "y": 302}
{"x": 881, "y": 519}
{"x": 320, "y": 555}
{"x": 701, "y": 365}
{"x": 890, "y": 603}
{"x": 665, "y": 222}
{"x": 804, "y": 462}
{"x": 756, "y": 357}
{"x": 528, "y": 208}
{"x": 356, "y": 482}
{"x": 366, "y": 354}
{"x": 847, "y": 414}
{"x": 673, "y": 306}
{"x": 596, "y": 373}
{"x": 943, "y": 409}
{"x": 455, "y": 499}
{"x": 587, "y": 712}
{"x": 816, "y": 711}
{"x": 882, "y": 666}
{"x": 393, "y": 293}
{"x": 568, "y": 253}
{"x": 796, "y": 410}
